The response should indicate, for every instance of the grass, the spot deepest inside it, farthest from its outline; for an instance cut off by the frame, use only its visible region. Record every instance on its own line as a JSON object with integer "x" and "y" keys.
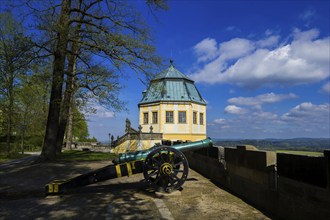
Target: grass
{"x": 70, "y": 155}
{"x": 5, "y": 158}
{"x": 75, "y": 155}
{"x": 305, "y": 153}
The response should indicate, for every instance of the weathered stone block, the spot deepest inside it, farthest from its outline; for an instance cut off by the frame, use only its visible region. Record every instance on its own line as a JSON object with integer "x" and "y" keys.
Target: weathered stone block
{"x": 260, "y": 160}
{"x": 312, "y": 170}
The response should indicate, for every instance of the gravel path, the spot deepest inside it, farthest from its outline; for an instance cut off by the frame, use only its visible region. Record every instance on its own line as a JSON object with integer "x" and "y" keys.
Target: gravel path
{"x": 22, "y": 196}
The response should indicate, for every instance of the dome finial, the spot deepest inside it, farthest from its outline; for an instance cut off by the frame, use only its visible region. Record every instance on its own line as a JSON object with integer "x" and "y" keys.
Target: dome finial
{"x": 171, "y": 61}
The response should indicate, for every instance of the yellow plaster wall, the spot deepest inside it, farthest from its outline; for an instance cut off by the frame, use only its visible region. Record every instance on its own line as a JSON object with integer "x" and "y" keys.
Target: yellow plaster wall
{"x": 150, "y": 109}
{"x": 184, "y": 137}
{"x": 175, "y": 131}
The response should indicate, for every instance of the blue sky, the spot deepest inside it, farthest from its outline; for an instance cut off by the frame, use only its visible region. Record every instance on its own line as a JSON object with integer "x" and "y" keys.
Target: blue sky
{"x": 262, "y": 67}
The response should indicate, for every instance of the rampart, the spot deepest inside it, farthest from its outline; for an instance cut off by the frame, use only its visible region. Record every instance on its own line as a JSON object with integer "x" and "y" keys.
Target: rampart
{"x": 285, "y": 186}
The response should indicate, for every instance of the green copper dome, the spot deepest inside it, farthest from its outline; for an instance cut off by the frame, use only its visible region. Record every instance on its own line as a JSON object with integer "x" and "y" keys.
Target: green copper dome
{"x": 171, "y": 85}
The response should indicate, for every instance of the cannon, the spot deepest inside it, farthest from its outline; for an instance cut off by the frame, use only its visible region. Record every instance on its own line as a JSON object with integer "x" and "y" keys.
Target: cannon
{"x": 164, "y": 167}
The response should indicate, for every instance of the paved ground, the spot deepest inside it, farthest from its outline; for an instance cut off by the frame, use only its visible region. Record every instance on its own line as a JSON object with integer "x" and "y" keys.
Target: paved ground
{"x": 22, "y": 196}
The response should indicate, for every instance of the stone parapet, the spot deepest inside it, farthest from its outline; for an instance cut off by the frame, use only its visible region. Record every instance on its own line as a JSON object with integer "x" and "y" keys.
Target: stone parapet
{"x": 252, "y": 175}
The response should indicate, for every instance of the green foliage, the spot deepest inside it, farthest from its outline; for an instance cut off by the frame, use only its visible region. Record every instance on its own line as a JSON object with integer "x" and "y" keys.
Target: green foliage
{"x": 32, "y": 99}
{"x": 101, "y": 38}
{"x": 16, "y": 55}
{"x": 33, "y": 142}
{"x": 80, "y": 128}
{"x": 92, "y": 139}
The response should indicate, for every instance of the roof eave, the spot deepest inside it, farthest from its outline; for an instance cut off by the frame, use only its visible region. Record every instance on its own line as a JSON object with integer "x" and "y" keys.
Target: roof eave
{"x": 162, "y": 101}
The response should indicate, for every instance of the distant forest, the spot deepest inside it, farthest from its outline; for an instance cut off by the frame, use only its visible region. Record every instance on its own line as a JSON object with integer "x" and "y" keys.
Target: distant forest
{"x": 301, "y": 144}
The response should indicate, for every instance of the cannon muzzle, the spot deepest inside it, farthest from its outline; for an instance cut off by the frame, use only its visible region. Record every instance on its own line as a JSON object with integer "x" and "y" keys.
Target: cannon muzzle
{"x": 142, "y": 155}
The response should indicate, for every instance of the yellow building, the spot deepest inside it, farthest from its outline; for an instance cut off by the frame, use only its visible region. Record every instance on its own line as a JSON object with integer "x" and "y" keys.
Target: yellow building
{"x": 173, "y": 106}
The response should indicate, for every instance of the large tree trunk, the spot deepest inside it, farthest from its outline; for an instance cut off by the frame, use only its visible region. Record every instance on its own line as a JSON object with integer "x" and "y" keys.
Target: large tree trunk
{"x": 69, "y": 133}
{"x": 49, "y": 148}
{"x": 10, "y": 111}
{"x": 66, "y": 102}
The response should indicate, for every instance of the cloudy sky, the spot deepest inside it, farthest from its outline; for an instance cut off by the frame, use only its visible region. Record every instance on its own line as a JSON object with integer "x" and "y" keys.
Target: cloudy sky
{"x": 262, "y": 67}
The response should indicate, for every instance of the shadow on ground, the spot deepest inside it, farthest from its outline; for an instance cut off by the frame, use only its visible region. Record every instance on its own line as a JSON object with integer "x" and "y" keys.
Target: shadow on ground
{"x": 22, "y": 194}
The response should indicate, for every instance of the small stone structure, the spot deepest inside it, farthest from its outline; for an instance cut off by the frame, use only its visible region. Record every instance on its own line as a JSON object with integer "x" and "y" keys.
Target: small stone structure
{"x": 134, "y": 140}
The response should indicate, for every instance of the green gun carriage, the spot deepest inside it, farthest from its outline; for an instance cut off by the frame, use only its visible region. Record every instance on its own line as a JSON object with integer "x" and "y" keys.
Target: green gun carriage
{"x": 164, "y": 167}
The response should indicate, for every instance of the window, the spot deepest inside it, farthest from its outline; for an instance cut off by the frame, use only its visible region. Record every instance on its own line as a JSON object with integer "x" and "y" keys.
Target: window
{"x": 195, "y": 117}
{"x": 154, "y": 117}
{"x": 182, "y": 117}
{"x": 169, "y": 117}
{"x": 145, "y": 118}
{"x": 201, "y": 118}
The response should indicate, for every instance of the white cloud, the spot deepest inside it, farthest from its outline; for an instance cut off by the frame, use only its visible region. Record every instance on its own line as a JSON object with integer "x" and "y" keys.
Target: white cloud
{"x": 268, "y": 42}
{"x": 233, "y": 109}
{"x": 261, "y": 99}
{"x": 265, "y": 115}
{"x": 326, "y": 88}
{"x": 305, "y": 35}
{"x": 219, "y": 121}
{"x": 257, "y": 63}
{"x": 206, "y": 49}
{"x": 304, "y": 120}
{"x": 235, "y": 48}
{"x": 308, "y": 113}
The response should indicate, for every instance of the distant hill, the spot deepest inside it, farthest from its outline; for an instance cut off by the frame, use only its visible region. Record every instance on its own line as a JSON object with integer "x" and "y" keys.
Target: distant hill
{"x": 303, "y": 144}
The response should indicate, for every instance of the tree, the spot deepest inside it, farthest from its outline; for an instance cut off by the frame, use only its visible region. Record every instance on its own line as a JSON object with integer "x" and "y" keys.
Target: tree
{"x": 89, "y": 42}
{"x": 31, "y": 101}
{"x": 80, "y": 128}
{"x": 63, "y": 23}
{"x": 68, "y": 94}
{"x": 109, "y": 30}
{"x": 15, "y": 56}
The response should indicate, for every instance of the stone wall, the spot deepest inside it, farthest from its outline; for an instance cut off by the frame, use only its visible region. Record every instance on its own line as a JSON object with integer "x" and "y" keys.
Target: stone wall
{"x": 285, "y": 186}
{"x": 305, "y": 169}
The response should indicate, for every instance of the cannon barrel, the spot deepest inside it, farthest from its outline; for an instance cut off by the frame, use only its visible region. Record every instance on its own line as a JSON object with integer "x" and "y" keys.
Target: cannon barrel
{"x": 164, "y": 167}
{"x": 142, "y": 155}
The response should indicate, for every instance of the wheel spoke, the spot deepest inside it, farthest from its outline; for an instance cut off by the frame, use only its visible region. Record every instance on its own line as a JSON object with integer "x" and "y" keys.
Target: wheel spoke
{"x": 177, "y": 164}
{"x": 154, "y": 172}
{"x": 178, "y": 170}
{"x": 171, "y": 180}
{"x": 174, "y": 176}
{"x": 162, "y": 158}
{"x": 157, "y": 164}
{"x": 156, "y": 161}
{"x": 151, "y": 167}
{"x": 157, "y": 178}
